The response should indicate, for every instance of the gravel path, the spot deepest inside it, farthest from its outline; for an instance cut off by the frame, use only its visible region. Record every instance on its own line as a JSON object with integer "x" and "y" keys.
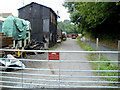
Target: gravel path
{"x": 69, "y": 45}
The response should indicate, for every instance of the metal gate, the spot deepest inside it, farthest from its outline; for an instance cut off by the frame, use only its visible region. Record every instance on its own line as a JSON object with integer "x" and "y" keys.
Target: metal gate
{"x": 52, "y": 74}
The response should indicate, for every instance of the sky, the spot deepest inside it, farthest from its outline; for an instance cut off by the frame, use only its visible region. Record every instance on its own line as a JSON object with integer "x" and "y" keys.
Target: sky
{"x": 11, "y": 6}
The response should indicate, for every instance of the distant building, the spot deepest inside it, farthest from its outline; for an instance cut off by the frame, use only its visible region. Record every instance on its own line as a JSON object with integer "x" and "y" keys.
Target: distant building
{"x": 5, "y": 14}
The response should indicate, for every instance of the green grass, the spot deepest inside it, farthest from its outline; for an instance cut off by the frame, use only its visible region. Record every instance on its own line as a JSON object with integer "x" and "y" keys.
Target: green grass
{"x": 102, "y": 66}
{"x": 84, "y": 46}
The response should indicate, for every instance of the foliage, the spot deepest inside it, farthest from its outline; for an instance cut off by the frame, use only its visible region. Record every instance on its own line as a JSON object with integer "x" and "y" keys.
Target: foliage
{"x": 67, "y": 26}
{"x": 95, "y": 17}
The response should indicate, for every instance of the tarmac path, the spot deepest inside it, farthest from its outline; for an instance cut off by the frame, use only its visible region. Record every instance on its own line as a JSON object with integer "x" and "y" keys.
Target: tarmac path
{"x": 112, "y": 57}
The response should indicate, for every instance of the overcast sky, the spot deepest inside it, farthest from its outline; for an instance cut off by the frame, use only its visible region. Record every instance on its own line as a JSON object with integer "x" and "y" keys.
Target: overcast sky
{"x": 11, "y": 6}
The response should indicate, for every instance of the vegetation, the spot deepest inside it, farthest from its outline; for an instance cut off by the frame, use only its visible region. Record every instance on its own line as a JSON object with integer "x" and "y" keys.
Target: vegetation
{"x": 84, "y": 46}
{"x": 67, "y": 26}
{"x": 102, "y": 66}
{"x": 96, "y": 19}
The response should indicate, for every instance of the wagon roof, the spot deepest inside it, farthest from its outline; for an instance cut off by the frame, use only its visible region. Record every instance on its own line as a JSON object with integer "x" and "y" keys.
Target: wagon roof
{"x": 37, "y": 4}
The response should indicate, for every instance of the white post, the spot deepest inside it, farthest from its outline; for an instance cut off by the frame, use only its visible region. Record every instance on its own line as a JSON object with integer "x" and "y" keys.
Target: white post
{"x": 13, "y": 43}
{"x": 97, "y": 40}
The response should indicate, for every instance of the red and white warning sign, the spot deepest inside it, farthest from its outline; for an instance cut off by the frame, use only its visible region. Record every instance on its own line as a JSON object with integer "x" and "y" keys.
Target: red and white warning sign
{"x": 53, "y": 56}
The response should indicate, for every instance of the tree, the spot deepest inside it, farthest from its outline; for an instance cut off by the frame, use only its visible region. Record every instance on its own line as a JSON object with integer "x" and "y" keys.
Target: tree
{"x": 89, "y": 15}
{"x": 67, "y": 26}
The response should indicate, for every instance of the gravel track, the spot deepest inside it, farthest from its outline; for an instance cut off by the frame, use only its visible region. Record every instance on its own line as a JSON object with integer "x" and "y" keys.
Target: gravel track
{"x": 69, "y": 45}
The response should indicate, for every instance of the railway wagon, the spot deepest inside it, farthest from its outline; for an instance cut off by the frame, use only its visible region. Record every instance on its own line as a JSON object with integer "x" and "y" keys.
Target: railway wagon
{"x": 43, "y": 22}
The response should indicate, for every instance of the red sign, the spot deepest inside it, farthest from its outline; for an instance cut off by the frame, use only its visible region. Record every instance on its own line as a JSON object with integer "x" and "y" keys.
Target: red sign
{"x": 53, "y": 56}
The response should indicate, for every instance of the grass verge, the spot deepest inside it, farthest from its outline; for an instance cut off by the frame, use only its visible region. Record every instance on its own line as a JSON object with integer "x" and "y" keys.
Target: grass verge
{"x": 102, "y": 66}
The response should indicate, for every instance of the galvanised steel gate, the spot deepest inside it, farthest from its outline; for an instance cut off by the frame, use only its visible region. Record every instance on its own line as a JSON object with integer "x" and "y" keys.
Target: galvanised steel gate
{"x": 54, "y": 75}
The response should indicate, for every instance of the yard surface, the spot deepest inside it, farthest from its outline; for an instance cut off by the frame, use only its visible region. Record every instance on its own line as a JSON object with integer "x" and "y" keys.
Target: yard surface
{"x": 35, "y": 81}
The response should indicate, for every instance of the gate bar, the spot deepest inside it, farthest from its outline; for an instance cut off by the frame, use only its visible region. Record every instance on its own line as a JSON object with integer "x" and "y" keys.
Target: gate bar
{"x": 60, "y": 51}
{"x": 58, "y": 75}
{"x": 61, "y": 80}
{"x": 65, "y": 61}
{"x": 70, "y": 86}
{"x": 63, "y": 70}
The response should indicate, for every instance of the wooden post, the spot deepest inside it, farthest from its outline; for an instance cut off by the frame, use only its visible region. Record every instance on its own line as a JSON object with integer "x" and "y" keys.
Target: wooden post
{"x": 119, "y": 61}
{"x": 97, "y": 40}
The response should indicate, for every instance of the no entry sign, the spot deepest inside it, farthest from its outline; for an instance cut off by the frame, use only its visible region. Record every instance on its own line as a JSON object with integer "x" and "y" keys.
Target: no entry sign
{"x": 53, "y": 56}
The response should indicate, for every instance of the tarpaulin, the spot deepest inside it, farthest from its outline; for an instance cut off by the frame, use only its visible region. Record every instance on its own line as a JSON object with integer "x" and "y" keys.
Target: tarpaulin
{"x": 15, "y": 27}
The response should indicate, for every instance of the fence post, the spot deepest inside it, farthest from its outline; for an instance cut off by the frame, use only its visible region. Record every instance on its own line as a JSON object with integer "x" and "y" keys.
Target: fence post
{"x": 97, "y": 40}
{"x": 118, "y": 62}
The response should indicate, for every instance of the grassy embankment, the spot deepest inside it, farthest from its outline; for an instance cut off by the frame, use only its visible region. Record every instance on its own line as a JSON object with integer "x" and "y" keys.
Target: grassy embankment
{"x": 102, "y": 66}
{"x": 105, "y": 40}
